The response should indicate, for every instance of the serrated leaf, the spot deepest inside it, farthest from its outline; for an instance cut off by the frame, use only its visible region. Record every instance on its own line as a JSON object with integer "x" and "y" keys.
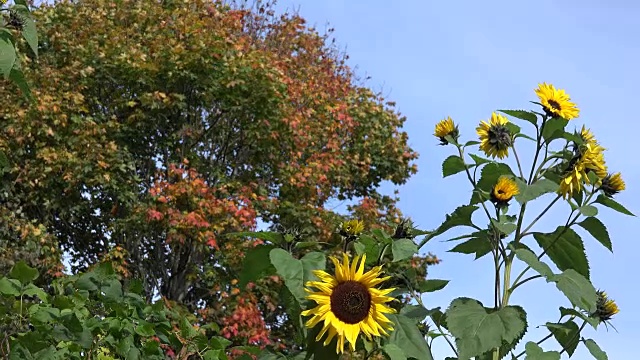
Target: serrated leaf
{"x": 432, "y": 285}
{"x": 522, "y": 114}
{"x": 535, "y": 352}
{"x": 472, "y": 142}
{"x": 403, "y": 249}
{"x": 7, "y": 53}
{"x": 452, "y": 165}
{"x": 369, "y": 246}
{"x": 256, "y": 265}
{"x": 588, "y": 210}
{"x": 313, "y": 261}
{"x": 554, "y": 129}
{"x": 595, "y": 350}
{"x": 489, "y": 175}
{"x": 596, "y": 228}
{"x": 479, "y": 160}
{"x": 567, "y": 334}
{"x": 291, "y": 271}
{"x": 529, "y": 258}
{"x": 407, "y": 337}
{"x": 535, "y": 190}
{"x": 416, "y": 312}
{"x": 23, "y": 272}
{"x": 504, "y": 226}
{"x": 17, "y": 77}
{"x": 507, "y": 347}
{"x": 577, "y": 289}
{"x": 480, "y": 246}
{"x": 565, "y": 248}
{"x": 29, "y": 31}
{"x": 394, "y": 352}
{"x": 461, "y": 216}
{"x": 594, "y": 322}
{"x": 477, "y": 331}
{"x": 612, "y": 204}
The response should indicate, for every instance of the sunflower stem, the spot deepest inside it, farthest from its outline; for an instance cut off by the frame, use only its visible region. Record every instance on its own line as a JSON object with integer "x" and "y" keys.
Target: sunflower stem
{"x": 515, "y": 153}
{"x": 541, "y": 214}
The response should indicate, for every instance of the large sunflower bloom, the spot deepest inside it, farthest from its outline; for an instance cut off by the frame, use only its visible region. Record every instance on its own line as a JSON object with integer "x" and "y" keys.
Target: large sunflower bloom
{"x": 495, "y": 137}
{"x": 556, "y": 102}
{"x": 590, "y": 157}
{"x": 348, "y": 303}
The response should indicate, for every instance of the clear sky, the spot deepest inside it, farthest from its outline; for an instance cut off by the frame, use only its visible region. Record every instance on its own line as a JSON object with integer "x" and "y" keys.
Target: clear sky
{"x": 465, "y": 59}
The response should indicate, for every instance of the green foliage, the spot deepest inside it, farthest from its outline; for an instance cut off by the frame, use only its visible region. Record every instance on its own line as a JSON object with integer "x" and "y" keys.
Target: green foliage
{"x": 453, "y": 165}
{"x": 407, "y": 338}
{"x": 567, "y": 334}
{"x": 565, "y": 248}
{"x": 535, "y": 352}
{"x": 595, "y": 350}
{"x": 596, "y": 228}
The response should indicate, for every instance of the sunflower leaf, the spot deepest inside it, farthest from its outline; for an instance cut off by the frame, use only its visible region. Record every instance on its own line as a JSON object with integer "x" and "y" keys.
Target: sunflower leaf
{"x": 612, "y": 204}
{"x": 522, "y": 114}
{"x": 565, "y": 248}
{"x": 479, "y": 160}
{"x": 477, "y": 245}
{"x": 256, "y": 265}
{"x": 506, "y": 347}
{"x": 588, "y": 210}
{"x": 394, "y": 352}
{"x": 478, "y": 330}
{"x": 488, "y": 177}
{"x": 432, "y": 285}
{"x": 595, "y": 350}
{"x": 453, "y": 165}
{"x": 554, "y": 129}
{"x": 291, "y": 270}
{"x": 567, "y": 334}
{"x": 573, "y": 312}
{"x": 596, "y": 228}
{"x": 403, "y": 249}
{"x": 529, "y": 258}
{"x": 313, "y": 261}
{"x": 408, "y": 338}
{"x": 535, "y": 352}
{"x": 535, "y": 190}
{"x": 577, "y": 289}
{"x": 461, "y": 216}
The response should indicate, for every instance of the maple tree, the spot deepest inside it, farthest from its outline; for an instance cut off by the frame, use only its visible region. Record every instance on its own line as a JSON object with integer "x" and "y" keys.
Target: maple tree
{"x": 159, "y": 127}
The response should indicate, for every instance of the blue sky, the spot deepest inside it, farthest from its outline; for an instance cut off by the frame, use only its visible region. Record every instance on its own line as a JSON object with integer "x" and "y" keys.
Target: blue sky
{"x": 467, "y": 59}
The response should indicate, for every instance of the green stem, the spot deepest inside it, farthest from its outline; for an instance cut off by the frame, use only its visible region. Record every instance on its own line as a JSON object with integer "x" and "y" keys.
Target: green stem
{"x": 516, "y": 284}
{"x": 515, "y": 153}
{"x": 461, "y": 153}
{"x": 542, "y": 214}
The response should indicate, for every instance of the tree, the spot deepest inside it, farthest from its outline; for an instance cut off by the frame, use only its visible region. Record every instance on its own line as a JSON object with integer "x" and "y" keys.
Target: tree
{"x": 159, "y": 127}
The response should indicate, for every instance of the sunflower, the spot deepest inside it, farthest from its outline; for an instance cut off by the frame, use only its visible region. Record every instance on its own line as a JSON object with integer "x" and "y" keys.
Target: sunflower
{"x": 612, "y": 184}
{"x": 348, "y": 303}
{"x": 605, "y": 307}
{"x": 587, "y": 136}
{"x": 504, "y": 190}
{"x": 556, "y": 102}
{"x": 589, "y": 158}
{"x": 495, "y": 137}
{"x": 446, "y": 127}
{"x": 352, "y": 228}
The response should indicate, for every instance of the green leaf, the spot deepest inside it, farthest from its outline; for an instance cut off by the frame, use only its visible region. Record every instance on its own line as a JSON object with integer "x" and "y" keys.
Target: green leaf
{"x": 522, "y": 114}
{"x": 461, "y": 216}
{"x": 432, "y": 285}
{"x": 478, "y": 245}
{"x": 596, "y": 228}
{"x": 489, "y": 175}
{"x": 256, "y": 265}
{"x": 186, "y": 329}
{"x": 112, "y": 290}
{"x": 369, "y": 246}
{"x": 535, "y": 352}
{"x": 87, "y": 282}
{"x": 145, "y": 328}
{"x": 535, "y": 190}
{"x": 32, "y": 290}
{"x": 477, "y": 331}
{"x": 394, "y": 352}
{"x": 29, "y": 31}
{"x": 588, "y": 210}
{"x": 408, "y": 338}
{"x": 291, "y": 271}
{"x": 10, "y": 287}
{"x": 272, "y": 236}
{"x": 479, "y": 160}
{"x": 577, "y": 289}
{"x": 416, "y": 312}
{"x": 17, "y": 77}
{"x": 506, "y": 347}
{"x": 403, "y": 249}
{"x": 565, "y": 248}
{"x": 23, "y": 272}
{"x": 504, "y": 226}
{"x": 567, "y": 334}
{"x": 595, "y": 350}
{"x": 7, "y": 53}
{"x": 212, "y": 354}
{"x": 313, "y": 261}
{"x": 472, "y": 142}
{"x": 594, "y": 322}
{"x": 452, "y": 165}
{"x": 317, "y": 350}
{"x": 554, "y": 129}
{"x": 612, "y": 204}
{"x": 529, "y": 258}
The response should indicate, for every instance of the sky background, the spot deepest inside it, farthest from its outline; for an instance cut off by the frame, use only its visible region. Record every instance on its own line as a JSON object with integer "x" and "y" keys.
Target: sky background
{"x": 465, "y": 59}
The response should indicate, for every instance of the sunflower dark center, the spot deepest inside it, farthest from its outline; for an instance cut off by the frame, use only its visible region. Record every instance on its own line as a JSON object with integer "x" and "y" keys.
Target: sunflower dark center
{"x": 554, "y": 104}
{"x": 499, "y": 137}
{"x": 501, "y": 191}
{"x": 350, "y": 302}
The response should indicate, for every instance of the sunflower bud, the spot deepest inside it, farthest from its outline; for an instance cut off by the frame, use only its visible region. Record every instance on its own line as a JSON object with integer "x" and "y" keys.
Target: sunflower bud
{"x": 16, "y": 20}
{"x": 605, "y": 307}
{"x": 446, "y": 128}
{"x": 503, "y": 191}
{"x": 352, "y": 228}
{"x": 404, "y": 230}
{"x": 612, "y": 184}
